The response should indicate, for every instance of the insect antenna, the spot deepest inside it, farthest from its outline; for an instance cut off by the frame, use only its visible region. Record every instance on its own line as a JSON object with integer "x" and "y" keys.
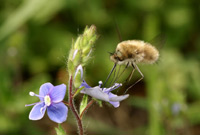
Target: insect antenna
{"x": 142, "y": 76}
{"x": 118, "y": 32}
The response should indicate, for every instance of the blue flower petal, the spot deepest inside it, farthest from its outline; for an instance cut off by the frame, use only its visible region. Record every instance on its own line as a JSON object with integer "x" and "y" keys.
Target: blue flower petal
{"x": 115, "y": 104}
{"x": 115, "y": 100}
{"x": 37, "y": 112}
{"x": 57, "y": 112}
{"x": 84, "y": 84}
{"x": 57, "y": 94}
{"x": 45, "y": 89}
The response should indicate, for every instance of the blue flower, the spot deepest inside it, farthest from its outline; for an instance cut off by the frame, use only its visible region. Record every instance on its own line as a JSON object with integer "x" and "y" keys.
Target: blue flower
{"x": 97, "y": 92}
{"x": 104, "y": 94}
{"x": 176, "y": 108}
{"x": 51, "y": 100}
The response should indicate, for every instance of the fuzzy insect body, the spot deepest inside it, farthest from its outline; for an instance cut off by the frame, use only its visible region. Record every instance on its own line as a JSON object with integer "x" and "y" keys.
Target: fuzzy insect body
{"x": 135, "y": 51}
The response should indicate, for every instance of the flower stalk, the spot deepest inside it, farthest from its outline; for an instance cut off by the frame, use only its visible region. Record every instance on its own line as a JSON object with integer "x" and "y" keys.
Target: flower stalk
{"x": 73, "y": 108}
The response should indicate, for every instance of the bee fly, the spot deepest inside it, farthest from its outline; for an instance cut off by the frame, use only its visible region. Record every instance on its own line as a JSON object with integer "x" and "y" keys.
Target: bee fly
{"x": 132, "y": 52}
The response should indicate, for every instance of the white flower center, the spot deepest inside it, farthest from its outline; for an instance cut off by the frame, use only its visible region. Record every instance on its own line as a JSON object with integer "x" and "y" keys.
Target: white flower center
{"x": 47, "y": 100}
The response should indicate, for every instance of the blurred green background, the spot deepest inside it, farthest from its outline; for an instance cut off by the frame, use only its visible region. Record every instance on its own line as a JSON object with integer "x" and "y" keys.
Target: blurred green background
{"x": 35, "y": 38}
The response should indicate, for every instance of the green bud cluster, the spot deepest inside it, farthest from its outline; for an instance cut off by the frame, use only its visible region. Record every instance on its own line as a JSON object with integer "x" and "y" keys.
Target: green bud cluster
{"x": 80, "y": 52}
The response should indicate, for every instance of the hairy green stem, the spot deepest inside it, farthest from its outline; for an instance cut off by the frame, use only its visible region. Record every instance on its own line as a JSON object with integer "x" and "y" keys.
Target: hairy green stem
{"x": 73, "y": 108}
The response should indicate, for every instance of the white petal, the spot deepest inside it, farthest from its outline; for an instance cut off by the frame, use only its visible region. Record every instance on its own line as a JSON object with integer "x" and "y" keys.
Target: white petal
{"x": 96, "y": 92}
{"x": 119, "y": 98}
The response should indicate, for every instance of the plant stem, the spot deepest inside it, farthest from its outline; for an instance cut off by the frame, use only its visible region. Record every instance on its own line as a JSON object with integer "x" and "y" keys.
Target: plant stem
{"x": 66, "y": 103}
{"x": 73, "y": 108}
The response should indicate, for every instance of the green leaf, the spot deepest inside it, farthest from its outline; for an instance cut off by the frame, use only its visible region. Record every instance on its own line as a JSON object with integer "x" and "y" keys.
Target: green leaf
{"x": 83, "y": 103}
{"x": 60, "y": 130}
{"x": 78, "y": 91}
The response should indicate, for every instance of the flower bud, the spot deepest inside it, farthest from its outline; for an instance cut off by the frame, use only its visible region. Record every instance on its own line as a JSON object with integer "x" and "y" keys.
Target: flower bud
{"x": 82, "y": 48}
{"x": 78, "y": 77}
{"x": 77, "y": 80}
{"x": 77, "y": 58}
{"x": 77, "y": 44}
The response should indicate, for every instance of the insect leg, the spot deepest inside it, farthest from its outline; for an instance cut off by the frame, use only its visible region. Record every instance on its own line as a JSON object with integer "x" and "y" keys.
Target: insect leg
{"x": 118, "y": 76}
{"x": 130, "y": 76}
{"x": 116, "y": 73}
{"x": 142, "y": 76}
{"x": 109, "y": 75}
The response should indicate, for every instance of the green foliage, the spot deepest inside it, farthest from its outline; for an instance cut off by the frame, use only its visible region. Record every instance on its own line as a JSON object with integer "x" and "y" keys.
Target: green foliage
{"x": 83, "y": 104}
{"x": 60, "y": 130}
{"x": 78, "y": 91}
